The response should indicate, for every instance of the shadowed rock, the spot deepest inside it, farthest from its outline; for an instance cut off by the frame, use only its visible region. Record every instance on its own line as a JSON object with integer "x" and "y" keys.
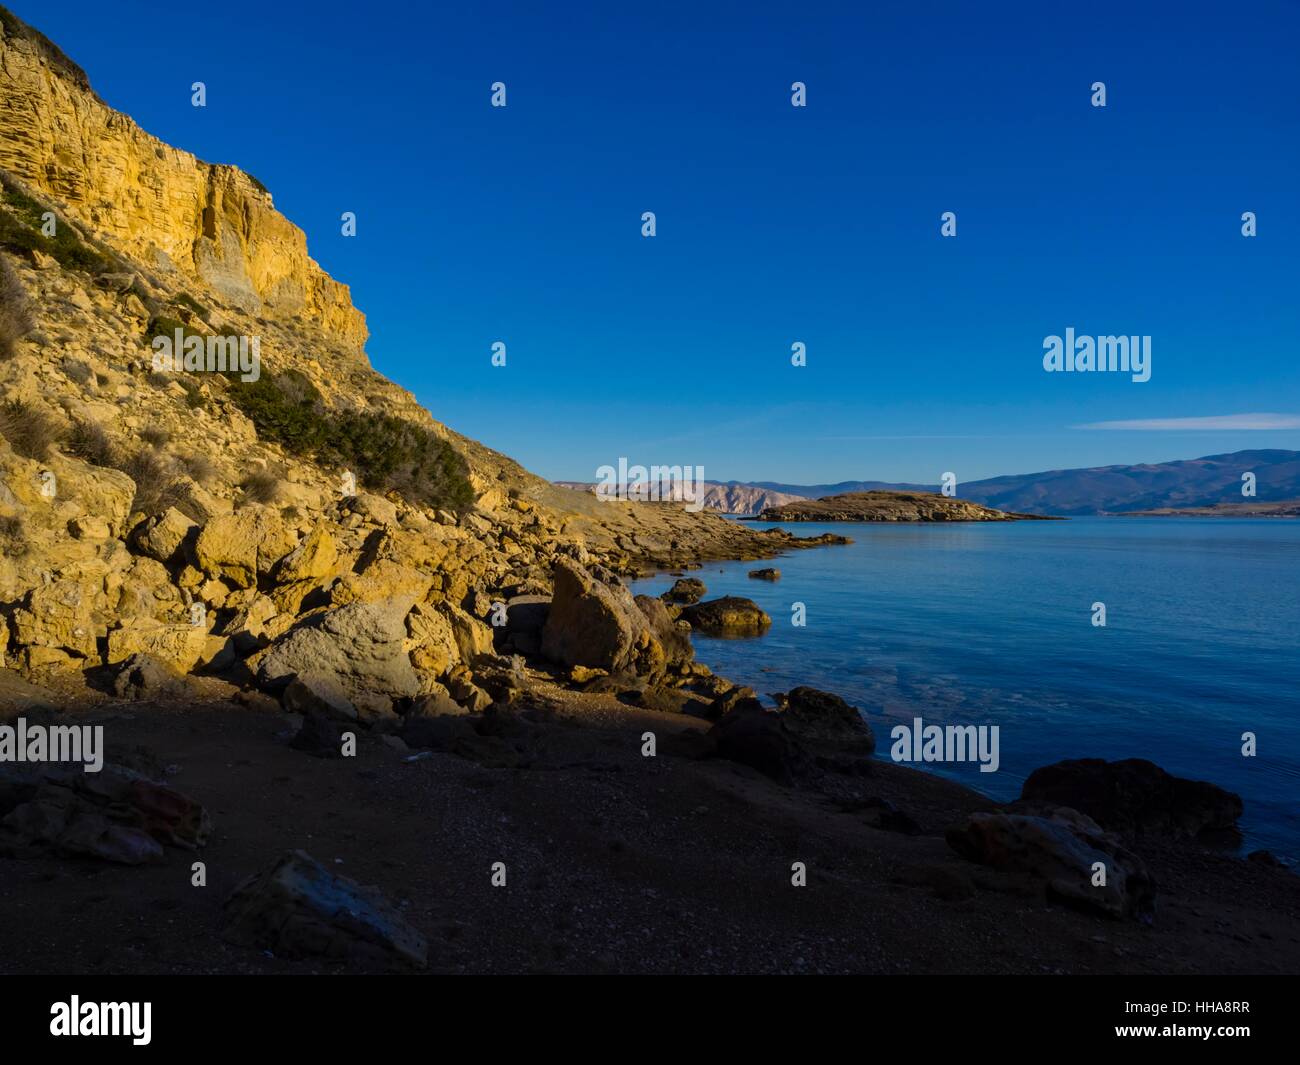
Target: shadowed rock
{"x": 760, "y": 739}
{"x": 1067, "y": 850}
{"x": 297, "y": 907}
{"x": 1135, "y": 796}
{"x": 825, "y": 720}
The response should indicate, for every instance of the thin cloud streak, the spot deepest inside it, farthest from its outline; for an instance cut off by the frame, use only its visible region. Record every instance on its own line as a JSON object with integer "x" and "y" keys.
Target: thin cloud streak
{"x": 1212, "y": 422}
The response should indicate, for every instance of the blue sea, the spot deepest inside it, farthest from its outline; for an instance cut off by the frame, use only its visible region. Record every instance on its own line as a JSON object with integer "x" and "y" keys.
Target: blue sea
{"x": 993, "y": 624}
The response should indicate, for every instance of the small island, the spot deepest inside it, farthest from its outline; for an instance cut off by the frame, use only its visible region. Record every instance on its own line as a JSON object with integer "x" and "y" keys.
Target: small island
{"x": 890, "y": 506}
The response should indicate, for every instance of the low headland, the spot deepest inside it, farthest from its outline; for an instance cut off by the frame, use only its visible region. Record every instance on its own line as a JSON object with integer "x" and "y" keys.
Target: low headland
{"x": 890, "y": 506}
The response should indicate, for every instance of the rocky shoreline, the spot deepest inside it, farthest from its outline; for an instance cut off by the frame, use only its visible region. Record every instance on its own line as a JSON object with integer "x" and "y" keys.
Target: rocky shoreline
{"x": 625, "y": 791}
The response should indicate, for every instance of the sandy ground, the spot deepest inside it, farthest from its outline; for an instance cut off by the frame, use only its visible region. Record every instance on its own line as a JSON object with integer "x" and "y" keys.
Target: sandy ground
{"x": 615, "y": 863}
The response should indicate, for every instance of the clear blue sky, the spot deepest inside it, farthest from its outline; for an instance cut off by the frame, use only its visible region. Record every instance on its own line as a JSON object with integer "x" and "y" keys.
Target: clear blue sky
{"x": 775, "y": 224}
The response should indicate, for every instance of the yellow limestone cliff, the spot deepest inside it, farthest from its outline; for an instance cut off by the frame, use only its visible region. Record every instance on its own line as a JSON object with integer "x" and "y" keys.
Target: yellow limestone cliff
{"x": 163, "y": 205}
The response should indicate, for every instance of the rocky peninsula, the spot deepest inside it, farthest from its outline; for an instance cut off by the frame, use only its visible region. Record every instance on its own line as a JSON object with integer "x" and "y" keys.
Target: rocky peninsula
{"x": 889, "y": 506}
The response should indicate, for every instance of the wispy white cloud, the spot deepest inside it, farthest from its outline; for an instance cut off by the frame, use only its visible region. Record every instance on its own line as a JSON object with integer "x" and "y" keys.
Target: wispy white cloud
{"x": 1216, "y": 421}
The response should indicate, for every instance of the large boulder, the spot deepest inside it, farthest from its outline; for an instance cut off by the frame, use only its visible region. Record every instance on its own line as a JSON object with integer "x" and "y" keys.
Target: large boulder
{"x": 686, "y": 590}
{"x": 525, "y": 620}
{"x": 597, "y": 625}
{"x": 141, "y": 676}
{"x": 114, "y": 815}
{"x": 315, "y": 558}
{"x": 379, "y": 579}
{"x": 675, "y": 639}
{"x": 1079, "y": 862}
{"x": 313, "y": 693}
{"x": 473, "y": 637}
{"x": 362, "y": 646}
{"x": 163, "y": 536}
{"x": 19, "y": 696}
{"x": 824, "y": 720}
{"x": 56, "y": 622}
{"x": 431, "y": 641}
{"x": 178, "y": 644}
{"x": 760, "y": 739}
{"x": 241, "y": 546}
{"x": 1135, "y": 796}
{"x": 732, "y": 615}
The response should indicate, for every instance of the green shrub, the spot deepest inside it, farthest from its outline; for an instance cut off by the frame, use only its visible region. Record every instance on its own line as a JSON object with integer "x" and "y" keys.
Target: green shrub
{"x": 384, "y": 451}
{"x": 186, "y": 300}
{"x": 162, "y": 326}
{"x": 20, "y": 230}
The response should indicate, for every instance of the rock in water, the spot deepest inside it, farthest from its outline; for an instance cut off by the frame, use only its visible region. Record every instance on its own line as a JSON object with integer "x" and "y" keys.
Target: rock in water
{"x": 731, "y": 615}
{"x": 1064, "y": 848}
{"x": 686, "y": 590}
{"x": 1135, "y": 796}
{"x": 297, "y": 907}
{"x": 767, "y": 574}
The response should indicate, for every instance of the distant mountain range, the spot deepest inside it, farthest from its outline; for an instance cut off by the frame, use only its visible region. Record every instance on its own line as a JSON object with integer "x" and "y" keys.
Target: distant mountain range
{"x": 1199, "y": 482}
{"x": 1203, "y": 482}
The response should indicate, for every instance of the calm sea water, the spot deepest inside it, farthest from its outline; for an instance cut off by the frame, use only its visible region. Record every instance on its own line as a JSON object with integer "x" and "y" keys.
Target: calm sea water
{"x": 992, "y": 624}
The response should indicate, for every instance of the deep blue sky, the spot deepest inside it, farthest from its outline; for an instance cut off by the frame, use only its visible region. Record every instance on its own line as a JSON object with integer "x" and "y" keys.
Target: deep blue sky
{"x": 776, "y": 224}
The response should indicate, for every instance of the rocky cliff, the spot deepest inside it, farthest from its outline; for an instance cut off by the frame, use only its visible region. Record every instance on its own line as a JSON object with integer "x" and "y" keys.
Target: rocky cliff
{"x": 248, "y": 525}
{"x": 168, "y": 209}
